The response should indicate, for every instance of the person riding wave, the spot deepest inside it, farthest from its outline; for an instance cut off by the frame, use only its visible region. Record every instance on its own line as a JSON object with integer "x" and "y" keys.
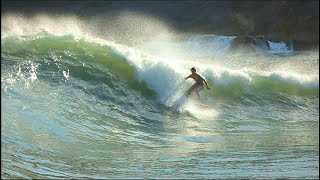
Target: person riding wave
{"x": 198, "y": 86}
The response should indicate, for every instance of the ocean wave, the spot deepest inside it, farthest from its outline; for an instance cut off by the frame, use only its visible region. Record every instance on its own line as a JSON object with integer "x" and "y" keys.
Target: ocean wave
{"x": 82, "y": 58}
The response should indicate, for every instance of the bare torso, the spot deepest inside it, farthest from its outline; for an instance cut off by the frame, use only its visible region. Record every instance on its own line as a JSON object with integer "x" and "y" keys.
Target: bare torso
{"x": 197, "y": 78}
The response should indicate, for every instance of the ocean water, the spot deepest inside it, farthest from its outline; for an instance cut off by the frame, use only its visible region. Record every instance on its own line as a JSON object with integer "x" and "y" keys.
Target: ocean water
{"x": 77, "y": 105}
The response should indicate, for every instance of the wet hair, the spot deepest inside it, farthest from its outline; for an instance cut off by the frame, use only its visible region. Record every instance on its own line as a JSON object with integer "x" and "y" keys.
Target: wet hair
{"x": 193, "y": 69}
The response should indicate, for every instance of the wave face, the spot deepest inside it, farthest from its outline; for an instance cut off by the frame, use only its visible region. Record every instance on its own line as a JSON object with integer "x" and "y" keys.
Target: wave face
{"x": 76, "y": 105}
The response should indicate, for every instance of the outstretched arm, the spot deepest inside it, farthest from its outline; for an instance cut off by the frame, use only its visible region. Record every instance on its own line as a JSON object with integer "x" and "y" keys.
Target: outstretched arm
{"x": 188, "y": 77}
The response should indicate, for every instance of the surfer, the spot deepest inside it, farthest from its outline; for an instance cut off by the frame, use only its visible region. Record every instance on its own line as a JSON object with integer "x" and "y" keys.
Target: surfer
{"x": 198, "y": 86}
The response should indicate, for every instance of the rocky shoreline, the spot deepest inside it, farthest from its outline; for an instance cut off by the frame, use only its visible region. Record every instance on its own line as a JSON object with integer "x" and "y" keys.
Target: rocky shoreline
{"x": 291, "y": 21}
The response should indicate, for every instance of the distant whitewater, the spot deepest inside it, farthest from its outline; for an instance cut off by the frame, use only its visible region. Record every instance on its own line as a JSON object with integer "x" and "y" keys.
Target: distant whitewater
{"x": 75, "y": 105}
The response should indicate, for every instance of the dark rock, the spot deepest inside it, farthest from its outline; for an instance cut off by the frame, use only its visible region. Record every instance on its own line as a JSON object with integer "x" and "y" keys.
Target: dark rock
{"x": 247, "y": 43}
